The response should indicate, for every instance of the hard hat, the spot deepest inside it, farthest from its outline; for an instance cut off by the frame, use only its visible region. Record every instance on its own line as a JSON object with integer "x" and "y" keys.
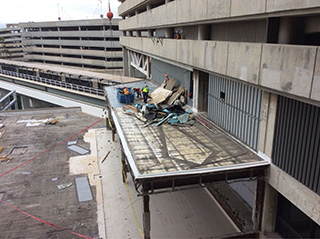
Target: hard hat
{"x": 166, "y": 75}
{"x": 124, "y": 87}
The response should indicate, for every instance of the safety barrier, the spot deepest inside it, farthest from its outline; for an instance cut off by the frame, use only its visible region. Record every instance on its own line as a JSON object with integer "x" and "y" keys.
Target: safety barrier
{"x": 62, "y": 84}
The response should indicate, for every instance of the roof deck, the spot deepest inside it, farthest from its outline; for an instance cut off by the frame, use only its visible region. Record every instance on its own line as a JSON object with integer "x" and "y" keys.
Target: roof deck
{"x": 168, "y": 156}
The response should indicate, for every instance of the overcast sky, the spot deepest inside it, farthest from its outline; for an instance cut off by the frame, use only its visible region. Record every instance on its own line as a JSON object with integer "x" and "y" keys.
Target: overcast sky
{"x": 15, "y": 11}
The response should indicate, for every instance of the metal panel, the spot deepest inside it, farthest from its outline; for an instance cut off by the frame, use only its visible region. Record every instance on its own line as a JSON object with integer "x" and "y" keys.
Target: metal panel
{"x": 239, "y": 112}
{"x": 297, "y": 141}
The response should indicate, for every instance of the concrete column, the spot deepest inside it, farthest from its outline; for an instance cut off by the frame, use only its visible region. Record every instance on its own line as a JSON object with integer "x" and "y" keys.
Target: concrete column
{"x": 138, "y": 33}
{"x": 195, "y": 90}
{"x": 130, "y": 68}
{"x": 95, "y": 84}
{"x": 126, "y": 62}
{"x": 148, "y": 7}
{"x": 169, "y": 32}
{"x": 150, "y": 33}
{"x": 204, "y": 32}
{"x": 129, "y": 33}
{"x": 269, "y": 108}
{"x": 269, "y": 210}
{"x": 63, "y": 77}
{"x": 124, "y": 33}
{"x": 25, "y": 103}
{"x": 291, "y": 30}
{"x": 136, "y": 12}
{"x": 148, "y": 68}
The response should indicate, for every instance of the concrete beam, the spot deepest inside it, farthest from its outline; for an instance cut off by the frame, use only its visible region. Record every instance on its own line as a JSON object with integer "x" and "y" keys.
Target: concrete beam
{"x": 288, "y": 68}
{"x": 298, "y": 194}
{"x": 283, "y": 68}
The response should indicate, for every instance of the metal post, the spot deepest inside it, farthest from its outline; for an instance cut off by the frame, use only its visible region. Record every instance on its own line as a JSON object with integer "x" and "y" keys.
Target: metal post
{"x": 259, "y": 200}
{"x": 124, "y": 165}
{"x": 146, "y": 216}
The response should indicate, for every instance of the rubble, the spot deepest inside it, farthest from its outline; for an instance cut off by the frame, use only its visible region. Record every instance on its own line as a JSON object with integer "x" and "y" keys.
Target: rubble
{"x": 164, "y": 106}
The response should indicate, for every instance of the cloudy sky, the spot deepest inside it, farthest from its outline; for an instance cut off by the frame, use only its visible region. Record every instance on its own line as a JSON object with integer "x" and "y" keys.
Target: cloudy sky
{"x": 15, "y": 11}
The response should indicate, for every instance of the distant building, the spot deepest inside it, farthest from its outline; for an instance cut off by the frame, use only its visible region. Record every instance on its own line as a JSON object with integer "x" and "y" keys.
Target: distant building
{"x": 89, "y": 44}
{"x": 10, "y": 42}
{"x": 253, "y": 67}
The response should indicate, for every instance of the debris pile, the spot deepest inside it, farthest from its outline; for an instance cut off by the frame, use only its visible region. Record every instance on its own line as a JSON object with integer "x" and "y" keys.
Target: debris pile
{"x": 33, "y": 122}
{"x": 164, "y": 106}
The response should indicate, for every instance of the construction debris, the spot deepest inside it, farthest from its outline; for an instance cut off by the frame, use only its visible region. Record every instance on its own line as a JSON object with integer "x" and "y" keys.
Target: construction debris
{"x": 164, "y": 106}
{"x": 5, "y": 158}
{"x": 83, "y": 188}
{"x": 2, "y": 133}
{"x": 105, "y": 157}
{"x": 78, "y": 149}
{"x": 31, "y": 123}
{"x": 63, "y": 186}
{"x": 176, "y": 95}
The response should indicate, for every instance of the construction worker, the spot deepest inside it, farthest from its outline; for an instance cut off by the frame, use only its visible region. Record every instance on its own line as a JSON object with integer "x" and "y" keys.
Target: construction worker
{"x": 126, "y": 93}
{"x": 166, "y": 80}
{"x": 145, "y": 92}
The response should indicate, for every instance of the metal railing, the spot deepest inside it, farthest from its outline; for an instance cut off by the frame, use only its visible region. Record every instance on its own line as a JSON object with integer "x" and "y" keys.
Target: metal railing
{"x": 62, "y": 84}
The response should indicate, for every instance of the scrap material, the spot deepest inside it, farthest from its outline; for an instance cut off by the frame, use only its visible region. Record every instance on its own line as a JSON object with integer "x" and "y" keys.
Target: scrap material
{"x": 2, "y": 133}
{"x": 84, "y": 193}
{"x": 78, "y": 149}
{"x": 159, "y": 95}
{"x": 176, "y": 95}
{"x": 105, "y": 157}
{"x": 170, "y": 84}
{"x": 5, "y": 158}
{"x": 65, "y": 185}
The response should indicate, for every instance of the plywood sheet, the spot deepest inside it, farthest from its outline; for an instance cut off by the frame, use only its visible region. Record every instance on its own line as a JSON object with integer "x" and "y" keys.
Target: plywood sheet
{"x": 159, "y": 95}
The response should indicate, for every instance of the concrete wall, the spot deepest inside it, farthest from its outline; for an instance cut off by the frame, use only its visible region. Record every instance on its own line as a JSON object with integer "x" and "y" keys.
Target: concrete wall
{"x": 298, "y": 194}
{"x": 179, "y": 12}
{"x": 284, "y": 68}
{"x": 288, "y": 69}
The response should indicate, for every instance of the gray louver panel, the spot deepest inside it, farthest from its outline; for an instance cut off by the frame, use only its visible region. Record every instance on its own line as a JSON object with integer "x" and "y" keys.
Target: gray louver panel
{"x": 236, "y": 107}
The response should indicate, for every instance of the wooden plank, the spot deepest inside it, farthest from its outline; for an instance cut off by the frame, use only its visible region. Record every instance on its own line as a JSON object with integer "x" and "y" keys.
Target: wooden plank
{"x": 170, "y": 84}
{"x": 2, "y": 133}
{"x": 176, "y": 95}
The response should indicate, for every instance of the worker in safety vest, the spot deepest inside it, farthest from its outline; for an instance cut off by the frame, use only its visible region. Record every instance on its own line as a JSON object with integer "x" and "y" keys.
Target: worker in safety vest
{"x": 166, "y": 80}
{"x": 145, "y": 92}
{"x": 126, "y": 93}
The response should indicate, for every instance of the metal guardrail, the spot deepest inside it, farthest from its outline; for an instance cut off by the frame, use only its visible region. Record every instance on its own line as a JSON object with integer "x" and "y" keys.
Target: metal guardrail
{"x": 62, "y": 84}
{"x": 8, "y": 100}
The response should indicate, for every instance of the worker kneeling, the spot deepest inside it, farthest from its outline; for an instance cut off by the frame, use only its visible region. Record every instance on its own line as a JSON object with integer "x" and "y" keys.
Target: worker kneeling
{"x": 126, "y": 93}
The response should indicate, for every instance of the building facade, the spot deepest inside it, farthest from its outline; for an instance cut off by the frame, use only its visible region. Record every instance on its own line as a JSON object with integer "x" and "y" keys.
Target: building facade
{"x": 10, "y": 42}
{"x": 88, "y": 44}
{"x": 253, "y": 67}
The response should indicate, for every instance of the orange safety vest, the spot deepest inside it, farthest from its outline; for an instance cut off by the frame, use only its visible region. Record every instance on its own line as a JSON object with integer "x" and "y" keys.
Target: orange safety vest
{"x": 126, "y": 91}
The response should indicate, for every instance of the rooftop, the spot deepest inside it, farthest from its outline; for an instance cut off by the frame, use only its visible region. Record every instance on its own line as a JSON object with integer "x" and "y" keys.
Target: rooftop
{"x": 166, "y": 152}
{"x": 40, "y": 162}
